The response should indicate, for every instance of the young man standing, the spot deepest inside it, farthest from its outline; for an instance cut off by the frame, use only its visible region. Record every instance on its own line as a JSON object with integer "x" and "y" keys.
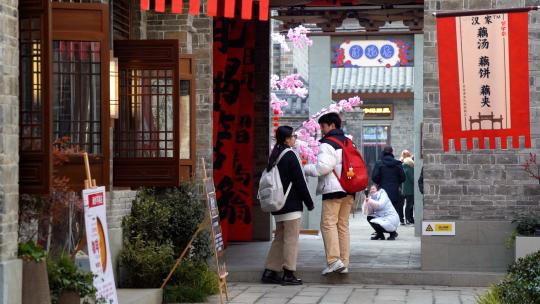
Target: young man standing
{"x": 336, "y": 203}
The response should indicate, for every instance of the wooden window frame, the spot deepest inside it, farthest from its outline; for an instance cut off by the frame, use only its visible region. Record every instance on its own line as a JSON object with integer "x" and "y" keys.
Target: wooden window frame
{"x": 35, "y": 167}
{"x": 87, "y": 22}
{"x": 154, "y": 171}
{"x": 187, "y": 72}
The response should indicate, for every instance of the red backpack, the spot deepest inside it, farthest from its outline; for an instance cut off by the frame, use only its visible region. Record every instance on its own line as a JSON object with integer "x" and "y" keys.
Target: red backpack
{"x": 354, "y": 176}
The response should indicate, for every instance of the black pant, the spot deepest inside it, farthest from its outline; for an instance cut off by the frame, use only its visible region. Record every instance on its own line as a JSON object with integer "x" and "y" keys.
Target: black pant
{"x": 378, "y": 228}
{"x": 398, "y": 205}
{"x": 409, "y": 208}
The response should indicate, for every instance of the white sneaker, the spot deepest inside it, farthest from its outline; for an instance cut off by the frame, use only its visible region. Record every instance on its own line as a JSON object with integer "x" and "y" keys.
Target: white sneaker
{"x": 337, "y": 266}
{"x": 345, "y": 270}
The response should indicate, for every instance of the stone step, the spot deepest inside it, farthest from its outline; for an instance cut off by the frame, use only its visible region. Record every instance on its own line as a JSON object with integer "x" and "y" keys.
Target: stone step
{"x": 382, "y": 277}
{"x": 140, "y": 296}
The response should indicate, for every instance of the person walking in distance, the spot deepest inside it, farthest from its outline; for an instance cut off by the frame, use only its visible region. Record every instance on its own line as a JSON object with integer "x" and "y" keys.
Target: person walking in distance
{"x": 336, "y": 203}
{"x": 408, "y": 189}
{"x": 284, "y": 250}
{"x": 389, "y": 175}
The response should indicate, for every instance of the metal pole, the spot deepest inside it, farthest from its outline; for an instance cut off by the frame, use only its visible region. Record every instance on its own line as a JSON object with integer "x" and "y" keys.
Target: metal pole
{"x": 486, "y": 11}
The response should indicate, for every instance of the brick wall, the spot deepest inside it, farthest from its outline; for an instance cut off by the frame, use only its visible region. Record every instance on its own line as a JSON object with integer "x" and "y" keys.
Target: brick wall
{"x": 9, "y": 129}
{"x": 477, "y": 185}
{"x": 195, "y": 36}
{"x": 119, "y": 205}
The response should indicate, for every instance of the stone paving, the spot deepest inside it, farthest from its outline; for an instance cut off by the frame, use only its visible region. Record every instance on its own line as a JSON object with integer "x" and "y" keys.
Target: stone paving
{"x": 348, "y": 294}
{"x": 403, "y": 253}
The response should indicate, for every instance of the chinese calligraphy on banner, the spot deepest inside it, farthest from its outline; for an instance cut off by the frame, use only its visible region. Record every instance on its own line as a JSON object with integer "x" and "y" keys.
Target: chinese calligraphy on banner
{"x": 95, "y": 218}
{"x": 234, "y": 110}
{"x": 483, "y": 76}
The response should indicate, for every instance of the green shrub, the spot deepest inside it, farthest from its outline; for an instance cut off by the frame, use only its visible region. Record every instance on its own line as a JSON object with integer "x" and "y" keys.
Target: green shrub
{"x": 527, "y": 225}
{"x": 65, "y": 276}
{"x": 169, "y": 215}
{"x": 522, "y": 283}
{"x": 492, "y": 296}
{"x": 31, "y": 251}
{"x": 197, "y": 282}
{"x": 146, "y": 263}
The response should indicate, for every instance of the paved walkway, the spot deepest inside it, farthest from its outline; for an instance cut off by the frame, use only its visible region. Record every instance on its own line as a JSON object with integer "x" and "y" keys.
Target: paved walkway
{"x": 345, "y": 294}
{"x": 403, "y": 253}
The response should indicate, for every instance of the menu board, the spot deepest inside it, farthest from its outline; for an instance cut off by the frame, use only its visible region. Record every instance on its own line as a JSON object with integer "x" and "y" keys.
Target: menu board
{"x": 99, "y": 253}
{"x": 217, "y": 236}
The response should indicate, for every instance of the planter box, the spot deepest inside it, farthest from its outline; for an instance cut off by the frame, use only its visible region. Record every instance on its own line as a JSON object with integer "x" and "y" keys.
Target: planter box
{"x": 526, "y": 245}
{"x": 35, "y": 283}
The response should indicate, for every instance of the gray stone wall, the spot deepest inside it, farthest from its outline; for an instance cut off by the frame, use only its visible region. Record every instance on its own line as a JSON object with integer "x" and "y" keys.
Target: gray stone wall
{"x": 195, "y": 36}
{"x": 10, "y": 267}
{"x": 119, "y": 205}
{"x": 481, "y": 190}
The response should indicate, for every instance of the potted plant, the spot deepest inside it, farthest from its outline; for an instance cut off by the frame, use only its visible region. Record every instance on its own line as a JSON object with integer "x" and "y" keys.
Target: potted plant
{"x": 69, "y": 284}
{"x": 35, "y": 284}
{"x": 527, "y": 235}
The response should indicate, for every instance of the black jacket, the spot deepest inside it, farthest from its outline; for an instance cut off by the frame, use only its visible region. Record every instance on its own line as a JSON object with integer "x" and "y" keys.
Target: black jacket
{"x": 388, "y": 174}
{"x": 291, "y": 171}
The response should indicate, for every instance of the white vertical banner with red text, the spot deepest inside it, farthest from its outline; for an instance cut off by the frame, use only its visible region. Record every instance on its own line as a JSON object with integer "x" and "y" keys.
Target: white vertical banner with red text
{"x": 95, "y": 218}
{"x": 483, "y": 79}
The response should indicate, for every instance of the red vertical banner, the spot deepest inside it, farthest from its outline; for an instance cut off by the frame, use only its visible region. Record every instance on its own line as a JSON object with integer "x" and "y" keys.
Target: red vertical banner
{"x": 176, "y": 6}
{"x": 160, "y": 6}
{"x": 264, "y": 9}
{"x": 483, "y": 79}
{"x": 234, "y": 44}
{"x": 194, "y": 7}
{"x": 247, "y": 7}
{"x": 229, "y": 8}
{"x": 145, "y": 5}
{"x": 212, "y": 7}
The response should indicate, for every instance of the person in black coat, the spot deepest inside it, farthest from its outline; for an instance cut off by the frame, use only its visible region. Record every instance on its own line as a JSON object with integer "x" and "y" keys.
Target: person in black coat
{"x": 284, "y": 250}
{"x": 388, "y": 173}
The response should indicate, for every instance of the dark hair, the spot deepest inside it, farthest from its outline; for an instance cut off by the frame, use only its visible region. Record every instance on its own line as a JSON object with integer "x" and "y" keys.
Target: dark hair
{"x": 331, "y": 118}
{"x": 388, "y": 150}
{"x": 282, "y": 133}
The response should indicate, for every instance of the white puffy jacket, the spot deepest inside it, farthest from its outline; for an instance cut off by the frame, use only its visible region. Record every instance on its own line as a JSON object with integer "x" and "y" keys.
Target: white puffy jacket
{"x": 328, "y": 159}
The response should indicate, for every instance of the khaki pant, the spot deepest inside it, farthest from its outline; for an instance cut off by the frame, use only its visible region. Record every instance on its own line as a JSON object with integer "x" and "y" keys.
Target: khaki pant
{"x": 284, "y": 249}
{"x": 335, "y": 228}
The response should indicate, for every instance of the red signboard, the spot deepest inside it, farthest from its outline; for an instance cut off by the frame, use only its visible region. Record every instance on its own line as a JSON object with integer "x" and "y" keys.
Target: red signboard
{"x": 483, "y": 78}
{"x": 234, "y": 96}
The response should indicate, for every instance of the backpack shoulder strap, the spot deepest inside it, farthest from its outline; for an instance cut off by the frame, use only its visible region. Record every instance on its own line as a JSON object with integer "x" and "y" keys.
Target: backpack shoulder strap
{"x": 282, "y": 154}
{"x": 335, "y": 140}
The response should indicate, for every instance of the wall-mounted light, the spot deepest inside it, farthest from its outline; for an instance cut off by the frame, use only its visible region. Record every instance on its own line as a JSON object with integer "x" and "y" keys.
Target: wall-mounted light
{"x": 113, "y": 86}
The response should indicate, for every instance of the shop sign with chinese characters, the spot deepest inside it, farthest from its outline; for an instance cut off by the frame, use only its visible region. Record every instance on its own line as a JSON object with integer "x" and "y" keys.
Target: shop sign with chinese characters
{"x": 378, "y": 111}
{"x": 95, "y": 217}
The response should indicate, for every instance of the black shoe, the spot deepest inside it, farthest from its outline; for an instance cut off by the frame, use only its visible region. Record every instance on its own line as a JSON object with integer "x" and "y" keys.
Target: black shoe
{"x": 393, "y": 236}
{"x": 270, "y": 277}
{"x": 402, "y": 223}
{"x": 378, "y": 236}
{"x": 289, "y": 278}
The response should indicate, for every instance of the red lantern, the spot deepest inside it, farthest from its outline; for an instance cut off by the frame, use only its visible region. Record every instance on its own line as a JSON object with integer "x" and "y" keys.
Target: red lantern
{"x": 276, "y": 118}
{"x": 276, "y": 112}
{"x": 276, "y": 124}
{"x": 304, "y": 161}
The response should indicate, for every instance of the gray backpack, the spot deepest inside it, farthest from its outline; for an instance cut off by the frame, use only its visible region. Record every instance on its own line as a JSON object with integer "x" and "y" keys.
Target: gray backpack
{"x": 270, "y": 193}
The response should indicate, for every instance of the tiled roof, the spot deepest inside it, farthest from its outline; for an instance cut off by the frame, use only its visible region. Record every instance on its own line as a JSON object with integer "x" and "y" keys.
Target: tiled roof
{"x": 372, "y": 80}
{"x": 296, "y": 105}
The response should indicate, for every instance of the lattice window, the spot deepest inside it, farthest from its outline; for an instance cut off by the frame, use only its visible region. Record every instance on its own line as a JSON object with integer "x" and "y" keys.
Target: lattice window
{"x": 31, "y": 85}
{"x": 77, "y": 93}
{"x": 147, "y": 111}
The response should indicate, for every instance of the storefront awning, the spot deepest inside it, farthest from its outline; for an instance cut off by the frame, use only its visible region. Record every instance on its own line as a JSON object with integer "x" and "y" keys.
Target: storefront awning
{"x": 372, "y": 80}
{"x": 214, "y": 8}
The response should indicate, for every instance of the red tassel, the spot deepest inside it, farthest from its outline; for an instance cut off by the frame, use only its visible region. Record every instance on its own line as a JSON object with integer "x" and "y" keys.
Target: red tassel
{"x": 145, "y": 5}
{"x": 263, "y": 9}
{"x": 176, "y": 6}
{"x": 160, "y": 6}
{"x": 247, "y": 7}
{"x": 229, "y": 8}
{"x": 212, "y": 8}
{"x": 194, "y": 6}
